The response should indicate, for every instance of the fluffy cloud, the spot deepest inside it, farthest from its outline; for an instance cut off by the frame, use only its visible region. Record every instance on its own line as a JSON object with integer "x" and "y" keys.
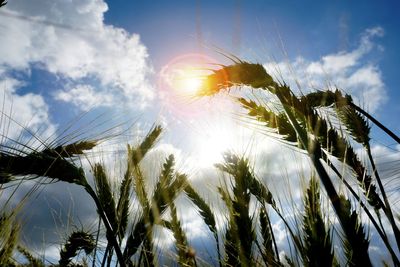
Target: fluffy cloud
{"x": 85, "y": 97}
{"x": 347, "y": 70}
{"x": 23, "y": 116}
{"x": 70, "y": 39}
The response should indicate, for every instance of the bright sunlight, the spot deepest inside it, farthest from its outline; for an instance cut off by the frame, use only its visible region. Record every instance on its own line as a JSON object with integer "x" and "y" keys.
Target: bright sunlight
{"x": 187, "y": 81}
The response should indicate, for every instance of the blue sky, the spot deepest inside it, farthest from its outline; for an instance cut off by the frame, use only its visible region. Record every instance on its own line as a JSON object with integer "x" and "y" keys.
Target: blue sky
{"x": 252, "y": 29}
{"x": 59, "y": 59}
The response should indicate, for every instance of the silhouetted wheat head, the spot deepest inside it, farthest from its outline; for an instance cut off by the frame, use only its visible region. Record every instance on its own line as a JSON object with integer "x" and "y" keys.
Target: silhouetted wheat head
{"x": 298, "y": 121}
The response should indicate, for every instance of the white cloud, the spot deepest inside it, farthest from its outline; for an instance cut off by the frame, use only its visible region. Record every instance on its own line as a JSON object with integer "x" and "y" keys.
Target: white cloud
{"x": 21, "y": 114}
{"x": 85, "y": 97}
{"x": 347, "y": 70}
{"x": 70, "y": 39}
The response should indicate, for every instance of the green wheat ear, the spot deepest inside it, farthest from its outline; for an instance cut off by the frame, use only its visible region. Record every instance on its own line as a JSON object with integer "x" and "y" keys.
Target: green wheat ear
{"x": 40, "y": 164}
{"x": 105, "y": 194}
{"x": 317, "y": 242}
{"x": 9, "y": 235}
{"x": 206, "y": 214}
{"x": 240, "y": 234}
{"x": 32, "y": 260}
{"x": 71, "y": 150}
{"x": 356, "y": 244}
{"x": 240, "y": 73}
{"x": 186, "y": 256}
{"x": 78, "y": 240}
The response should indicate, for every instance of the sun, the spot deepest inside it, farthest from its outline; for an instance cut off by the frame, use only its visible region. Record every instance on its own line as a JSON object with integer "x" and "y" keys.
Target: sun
{"x": 180, "y": 83}
{"x": 187, "y": 81}
{"x": 185, "y": 75}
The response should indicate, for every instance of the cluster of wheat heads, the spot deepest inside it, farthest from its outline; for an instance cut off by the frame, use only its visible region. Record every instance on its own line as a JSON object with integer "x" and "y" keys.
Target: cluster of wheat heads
{"x": 299, "y": 122}
{"x": 129, "y": 237}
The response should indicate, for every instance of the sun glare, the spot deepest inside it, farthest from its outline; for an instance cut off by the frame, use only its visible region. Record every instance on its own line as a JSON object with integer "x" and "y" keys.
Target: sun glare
{"x": 180, "y": 82}
{"x": 185, "y": 74}
{"x": 187, "y": 81}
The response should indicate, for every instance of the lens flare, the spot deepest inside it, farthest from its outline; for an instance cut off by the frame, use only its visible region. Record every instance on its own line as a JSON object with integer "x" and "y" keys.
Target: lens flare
{"x": 186, "y": 81}
{"x": 180, "y": 82}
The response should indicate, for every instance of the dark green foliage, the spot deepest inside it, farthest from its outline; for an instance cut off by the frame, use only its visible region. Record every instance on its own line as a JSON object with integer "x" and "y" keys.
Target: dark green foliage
{"x": 77, "y": 241}
{"x": 3, "y": 3}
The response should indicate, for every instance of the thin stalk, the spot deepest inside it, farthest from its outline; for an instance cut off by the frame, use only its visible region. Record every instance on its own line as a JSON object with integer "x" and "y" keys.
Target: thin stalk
{"x": 218, "y": 249}
{"x": 387, "y": 209}
{"x": 366, "y": 210}
{"x": 103, "y": 262}
{"x": 261, "y": 252}
{"x": 272, "y": 235}
{"x": 110, "y": 232}
{"x": 376, "y": 122}
{"x": 97, "y": 242}
{"x": 315, "y": 154}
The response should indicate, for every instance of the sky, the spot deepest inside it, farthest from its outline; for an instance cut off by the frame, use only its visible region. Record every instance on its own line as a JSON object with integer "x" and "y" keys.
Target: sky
{"x": 107, "y": 62}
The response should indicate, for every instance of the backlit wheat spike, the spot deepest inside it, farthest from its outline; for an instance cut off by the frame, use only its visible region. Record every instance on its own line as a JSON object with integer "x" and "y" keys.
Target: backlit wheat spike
{"x": 9, "y": 237}
{"x": 206, "y": 214}
{"x": 73, "y": 149}
{"x": 271, "y": 120}
{"x": 32, "y": 261}
{"x": 305, "y": 123}
{"x": 168, "y": 187}
{"x": 138, "y": 153}
{"x": 267, "y": 239}
{"x": 317, "y": 126}
{"x": 185, "y": 255}
{"x": 40, "y": 164}
{"x": 134, "y": 240}
{"x": 78, "y": 240}
{"x": 123, "y": 204}
{"x": 232, "y": 242}
{"x": 356, "y": 244}
{"x": 104, "y": 192}
{"x": 240, "y": 220}
{"x": 161, "y": 196}
{"x": 241, "y": 73}
{"x": 106, "y": 198}
{"x": 317, "y": 242}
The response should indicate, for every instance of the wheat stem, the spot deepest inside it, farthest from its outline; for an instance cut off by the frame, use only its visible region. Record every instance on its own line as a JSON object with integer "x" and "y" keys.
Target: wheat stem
{"x": 111, "y": 237}
{"x": 376, "y": 122}
{"x": 387, "y": 209}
